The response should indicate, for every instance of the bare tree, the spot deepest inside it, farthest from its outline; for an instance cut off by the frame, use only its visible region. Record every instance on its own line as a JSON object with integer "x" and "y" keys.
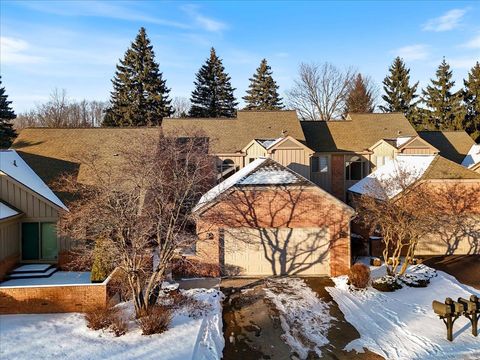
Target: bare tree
{"x": 60, "y": 111}
{"x": 181, "y": 107}
{"x": 140, "y": 206}
{"x": 320, "y": 91}
{"x": 404, "y": 211}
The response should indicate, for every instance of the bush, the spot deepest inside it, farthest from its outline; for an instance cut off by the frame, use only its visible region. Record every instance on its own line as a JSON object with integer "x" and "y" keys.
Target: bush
{"x": 156, "y": 320}
{"x": 359, "y": 275}
{"x": 386, "y": 283}
{"x": 101, "y": 267}
{"x": 119, "y": 326}
{"x": 101, "y": 318}
{"x": 192, "y": 268}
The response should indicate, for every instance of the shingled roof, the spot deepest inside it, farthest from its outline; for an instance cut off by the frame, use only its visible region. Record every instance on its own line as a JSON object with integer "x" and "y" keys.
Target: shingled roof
{"x": 453, "y": 145}
{"x": 357, "y": 133}
{"x": 231, "y": 135}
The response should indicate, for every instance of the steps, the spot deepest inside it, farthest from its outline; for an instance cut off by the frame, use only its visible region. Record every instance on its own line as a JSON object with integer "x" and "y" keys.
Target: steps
{"x": 32, "y": 271}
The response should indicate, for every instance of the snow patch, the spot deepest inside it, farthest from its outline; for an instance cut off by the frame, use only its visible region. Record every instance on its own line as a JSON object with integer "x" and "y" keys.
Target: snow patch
{"x": 305, "y": 318}
{"x": 473, "y": 156}
{"x": 402, "y": 324}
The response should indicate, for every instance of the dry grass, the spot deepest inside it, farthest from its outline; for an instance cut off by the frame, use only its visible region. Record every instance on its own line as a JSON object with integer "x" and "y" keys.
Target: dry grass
{"x": 156, "y": 321}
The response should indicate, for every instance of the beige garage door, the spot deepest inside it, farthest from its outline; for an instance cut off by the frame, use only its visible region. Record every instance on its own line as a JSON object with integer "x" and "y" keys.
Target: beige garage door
{"x": 276, "y": 251}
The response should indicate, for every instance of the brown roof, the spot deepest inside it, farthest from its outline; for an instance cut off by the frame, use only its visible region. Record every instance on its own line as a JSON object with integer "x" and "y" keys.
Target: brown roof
{"x": 53, "y": 151}
{"x": 443, "y": 169}
{"x": 356, "y": 134}
{"x": 231, "y": 135}
{"x": 453, "y": 145}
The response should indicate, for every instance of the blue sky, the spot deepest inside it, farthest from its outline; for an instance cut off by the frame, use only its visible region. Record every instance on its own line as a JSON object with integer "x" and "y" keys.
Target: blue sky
{"x": 76, "y": 45}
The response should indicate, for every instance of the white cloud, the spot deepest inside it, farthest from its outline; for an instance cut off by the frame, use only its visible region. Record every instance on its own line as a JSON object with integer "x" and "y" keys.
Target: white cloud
{"x": 203, "y": 21}
{"x": 412, "y": 52}
{"x": 448, "y": 21}
{"x": 462, "y": 63}
{"x": 473, "y": 43}
{"x": 15, "y": 51}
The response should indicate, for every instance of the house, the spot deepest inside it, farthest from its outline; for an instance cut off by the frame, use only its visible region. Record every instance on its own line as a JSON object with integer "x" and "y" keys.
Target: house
{"x": 29, "y": 211}
{"x": 437, "y": 172}
{"x": 452, "y": 145}
{"x": 267, "y": 219}
{"x": 472, "y": 160}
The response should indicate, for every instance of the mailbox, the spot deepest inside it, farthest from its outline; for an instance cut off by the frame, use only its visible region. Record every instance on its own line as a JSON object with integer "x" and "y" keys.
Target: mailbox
{"x": 471, "y": 305}
{"x": 472, "y": 311}
{"x": 441, "y": 309}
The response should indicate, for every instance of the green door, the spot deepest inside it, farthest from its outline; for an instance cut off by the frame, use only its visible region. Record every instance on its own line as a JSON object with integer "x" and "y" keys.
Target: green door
{"x": 49, "y": 241}
{"x": 30, "y": 241}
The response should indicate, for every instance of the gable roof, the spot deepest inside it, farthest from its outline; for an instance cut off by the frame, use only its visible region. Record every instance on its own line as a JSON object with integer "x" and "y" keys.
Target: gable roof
{"x": 453, "y": 145}
{"x": 232, "y": 135}
{"x": 473, "y": 156}
{"x": 357, "y": 133}
{"x": 261, "y": 172}
{"x": 7, "y": 211}
{"x": 413, "y": 167}
{"x": 12, "y": 165}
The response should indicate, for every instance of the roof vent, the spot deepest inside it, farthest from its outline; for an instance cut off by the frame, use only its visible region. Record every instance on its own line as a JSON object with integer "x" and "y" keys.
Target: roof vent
{"x": 284, "y": 133}
{"x": 15, "y": 163}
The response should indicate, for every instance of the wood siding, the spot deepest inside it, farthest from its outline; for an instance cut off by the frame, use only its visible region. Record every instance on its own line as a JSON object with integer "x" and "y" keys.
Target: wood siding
{"x": 384, "y": 150}
{"x": 296, "y": 159}
{"x": 33, "y": 206}
{"x": 9, "y": 238}
{"x": 254, "y": 151}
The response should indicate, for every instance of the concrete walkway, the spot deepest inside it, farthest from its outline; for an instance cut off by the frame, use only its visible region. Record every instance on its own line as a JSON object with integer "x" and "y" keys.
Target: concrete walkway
{"x": 206, "y": 283}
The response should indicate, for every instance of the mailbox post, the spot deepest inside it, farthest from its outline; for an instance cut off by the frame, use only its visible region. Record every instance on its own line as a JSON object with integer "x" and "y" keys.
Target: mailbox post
{"x": 472, "y": 311}
{"x": 448, "y": 312}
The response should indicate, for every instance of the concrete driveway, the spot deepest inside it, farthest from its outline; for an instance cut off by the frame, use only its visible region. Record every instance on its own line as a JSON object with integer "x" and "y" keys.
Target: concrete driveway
{"x": 253, "y": 331}
{"x": 466, "y": 268}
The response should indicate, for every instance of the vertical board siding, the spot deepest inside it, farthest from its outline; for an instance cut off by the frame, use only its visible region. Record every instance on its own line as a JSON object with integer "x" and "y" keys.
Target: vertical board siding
{"x": 9, "y": 239}
{"x": 296, "y": 159}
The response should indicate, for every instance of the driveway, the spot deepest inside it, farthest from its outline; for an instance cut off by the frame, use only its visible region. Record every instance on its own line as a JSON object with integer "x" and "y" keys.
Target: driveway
{"x": 252, "y": 326}
{"x": 465, "y": 268}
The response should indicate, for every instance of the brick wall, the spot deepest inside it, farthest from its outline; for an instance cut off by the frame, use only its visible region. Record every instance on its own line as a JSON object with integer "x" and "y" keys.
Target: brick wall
{"x": 8, "y": 264}
{"x": 308, "y": 207}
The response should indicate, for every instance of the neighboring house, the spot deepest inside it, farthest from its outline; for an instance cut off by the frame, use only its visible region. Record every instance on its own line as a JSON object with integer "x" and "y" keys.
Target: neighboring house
{"x": 437, "y": 171}
{"x": 268, "y": 220}
{"x": 29, "y": 212}
{"x": 472, "y": 160}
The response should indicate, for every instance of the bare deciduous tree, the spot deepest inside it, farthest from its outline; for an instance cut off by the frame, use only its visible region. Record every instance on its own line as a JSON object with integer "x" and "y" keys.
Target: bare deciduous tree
{"x": 60, "y": 111}
{"x": 405, "y": 211}
{"x": 181, "y": 107}
{"x": 320, "y": 91}
{"x": 140, "y": 206}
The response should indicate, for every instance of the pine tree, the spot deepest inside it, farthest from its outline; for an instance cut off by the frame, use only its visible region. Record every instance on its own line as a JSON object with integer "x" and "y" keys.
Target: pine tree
{"x": 7, "y": 133}
{"x": 262, "y": 93}
{"x": 360, "y": 98}
{"x": 444, "y": 107}
{"x": 213, "y": 94}
{"x": 471, "y": 97}
{"x": 399, "y": 95}
{"x": 140, "y": 95}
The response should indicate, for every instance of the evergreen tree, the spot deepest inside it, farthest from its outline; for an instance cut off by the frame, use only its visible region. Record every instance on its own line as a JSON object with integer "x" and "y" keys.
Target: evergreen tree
{"x": 262, "y": 93}
{"x": 471, "y": 97}
{"x": 140, "y": 95}
{"x": 444, "y": 107}
{"x": 7, "y": 133}
{"x": 213, "y": 94}
{"x": 399, "y": 95}
{"x": 360, "y": 98}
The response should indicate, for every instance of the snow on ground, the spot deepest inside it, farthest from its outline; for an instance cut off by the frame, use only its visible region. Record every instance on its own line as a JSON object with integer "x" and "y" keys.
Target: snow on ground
{"x": 305, "y": 318}
{"x": 66, "y": 336}
{"x": 402, "y": 324}
{"x": 57, "y": 278}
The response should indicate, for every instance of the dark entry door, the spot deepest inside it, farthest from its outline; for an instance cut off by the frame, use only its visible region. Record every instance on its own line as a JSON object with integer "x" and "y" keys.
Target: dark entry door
{"x": 30, "y": 241}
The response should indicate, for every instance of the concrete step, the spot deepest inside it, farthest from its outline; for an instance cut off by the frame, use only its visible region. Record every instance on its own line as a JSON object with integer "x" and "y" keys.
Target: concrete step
{"x": 31, "y": 268}
{"x": 32, "y": 275}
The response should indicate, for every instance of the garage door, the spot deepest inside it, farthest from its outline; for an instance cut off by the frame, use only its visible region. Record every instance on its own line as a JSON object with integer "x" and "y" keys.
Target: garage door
{"x": 283, "y": 251}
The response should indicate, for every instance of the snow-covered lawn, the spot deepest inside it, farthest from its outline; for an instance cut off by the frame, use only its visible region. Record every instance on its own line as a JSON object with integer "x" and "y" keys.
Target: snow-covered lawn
{"x": 66, "y": 336}
{"x": 305, "y": 318}
{"x": 401, "y": 324}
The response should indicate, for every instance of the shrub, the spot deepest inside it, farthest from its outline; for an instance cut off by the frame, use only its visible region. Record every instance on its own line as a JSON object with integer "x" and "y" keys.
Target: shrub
{"x": 359, "y": 275}
{"x": 386, "y": 283}
{"x": 156, "y": 320}
{"x": 101, "y": 318}
{"x": 193, "y": 268}
{"x": 102, "y": 266}
{"x": 119, "y": 326}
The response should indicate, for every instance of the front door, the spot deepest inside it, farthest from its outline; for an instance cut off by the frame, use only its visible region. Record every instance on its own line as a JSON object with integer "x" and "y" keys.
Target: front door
{"x": 30, "y": 241}
{"x": 39, "y": 241}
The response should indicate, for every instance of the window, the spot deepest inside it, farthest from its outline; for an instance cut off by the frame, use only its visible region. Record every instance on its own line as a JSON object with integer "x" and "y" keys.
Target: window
{"x": 320, "y": 164}
{"x": 356, "y": 168}
{"x": 250, "y": 160}
{"x": 226, "y": 164}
